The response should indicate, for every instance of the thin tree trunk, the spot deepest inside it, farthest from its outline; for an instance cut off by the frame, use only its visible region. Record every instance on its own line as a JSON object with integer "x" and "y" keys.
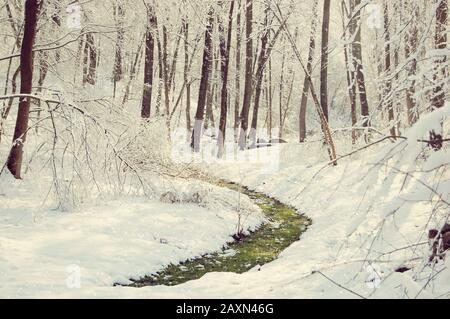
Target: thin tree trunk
{"x": 280, "y": 98}
{"x": 248, "y": 74}
{"x": 237, "y": 100}
{"x": 119, "y": 14}
{"x": 264, "y": 54}
{"x": 304, "y": 100}
{"x": 133, "y": 70}
{"x": 350, "y": 66}
{"x": 258, "y": 78}
{"x": 210, "y": 95}
{"x": 14, "y": 162}
{"x": 387, "y": 68}
{"x": 207, "y": 57}
{"x": 357, "y": 56}
{"x": 43, "y": 70}
{"x": 166, "y": 71}
{"x": 90, "y": 59}
{"x": 410, "y": 50}
{"x": 324, "y": 58}
{"x": 270, "y": 98}
{"x": 160, "y": 71}
{"x": 225, "y": 62}
{"x": 148, "y": 66}
{"x": 324, "y": 124}
{"x": 186, "y": 70}
{"x": 438, "y": 100}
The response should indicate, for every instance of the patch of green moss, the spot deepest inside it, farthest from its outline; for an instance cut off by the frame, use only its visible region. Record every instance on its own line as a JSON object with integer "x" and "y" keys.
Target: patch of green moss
{"x": 262, "y": 246}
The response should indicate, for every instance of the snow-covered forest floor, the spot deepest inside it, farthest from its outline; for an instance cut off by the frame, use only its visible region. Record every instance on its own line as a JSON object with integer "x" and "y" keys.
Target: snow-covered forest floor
{"x": 371, "y": 215}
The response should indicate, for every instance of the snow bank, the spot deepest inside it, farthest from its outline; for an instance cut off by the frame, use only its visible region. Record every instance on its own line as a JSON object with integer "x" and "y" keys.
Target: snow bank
{"x": 47, "y": 252}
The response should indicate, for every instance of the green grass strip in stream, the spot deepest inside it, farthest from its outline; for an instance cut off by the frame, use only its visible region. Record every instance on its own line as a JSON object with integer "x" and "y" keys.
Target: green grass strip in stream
{"x": 260, "y": 247}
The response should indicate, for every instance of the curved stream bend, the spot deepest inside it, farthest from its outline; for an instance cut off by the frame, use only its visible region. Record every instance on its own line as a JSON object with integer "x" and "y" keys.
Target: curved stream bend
{"x": 260, "y": 247}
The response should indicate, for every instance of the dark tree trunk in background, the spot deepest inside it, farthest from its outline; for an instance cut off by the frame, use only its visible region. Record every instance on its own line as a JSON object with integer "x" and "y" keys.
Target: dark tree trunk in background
{"x": 133, "y": 70}
{"x": 225, "y": 46}
{"x": 165, "y": 72}
{"x": 304, "y": 100}
{"x": 411, "y": 49}
{"x": 237, "y": 100}
{"x": 270, "y": 100}
{"x": 264, "y": 54}
{"x": 259, "y": 77}
{"x": 186, "y": 70}
{"x": 207, "y": 57}
{"x": 324, "y": 58}
{"x": 119, "y": 14}
{"x": 56, "y": 17}
{"x": 387, "y": 68}
{"x": 350, "y": 66}
{"x": 440, "y": 44}
{"x": 90, "y": 60}
{"x": 357, "y": 56}
{"x": 160, "y": 70}
{"x": 248, "y": 74}
{"x": 281, "y": 97}
{"x": 43, "y": 70}
{"x": 148, "y": 66}
{"x": 14, "y": 162}
{"x": 210, "y": 93}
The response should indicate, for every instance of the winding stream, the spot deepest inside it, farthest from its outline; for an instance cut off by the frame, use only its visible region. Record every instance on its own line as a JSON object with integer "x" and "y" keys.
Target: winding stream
{"x": 260, "y": 247}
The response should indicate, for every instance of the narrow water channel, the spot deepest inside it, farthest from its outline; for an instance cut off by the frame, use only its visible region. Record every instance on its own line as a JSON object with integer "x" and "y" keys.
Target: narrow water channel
{"x": 260, "y": 247}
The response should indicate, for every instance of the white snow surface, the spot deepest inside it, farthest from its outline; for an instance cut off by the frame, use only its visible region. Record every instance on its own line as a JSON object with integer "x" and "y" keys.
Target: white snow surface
{"x": 43, "y": 249}
{"x": 371, "y": 214}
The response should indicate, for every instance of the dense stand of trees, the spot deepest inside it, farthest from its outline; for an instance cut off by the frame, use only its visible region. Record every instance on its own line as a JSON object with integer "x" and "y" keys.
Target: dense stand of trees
{"x": 236, "y": 56}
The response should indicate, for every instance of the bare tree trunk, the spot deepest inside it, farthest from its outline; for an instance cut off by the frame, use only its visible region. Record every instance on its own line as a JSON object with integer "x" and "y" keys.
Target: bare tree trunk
{"x": 324, "y": 58}
{"x": 160, "y": 71}
{"x": 165, "y": 71}
{"x": 387, "y": 68}
{"x": 266, "y": 49}
{"x": 207, "y": 57}
{"x": 186, "y": 70}
{"x": 56, "y": 17}
{"x": 248, "y": 74}
{"x": 237, "y": 100}
{"x": 148, "y": 66}
{"x": 43, "y": 70}
{"x": 90, "y": 60}
{"x": 133, "y": 70}
{"x": 173, "y": 65}
{"x": 357, "y": 56}
{"x": 14, "y": 162}
{"x": 259, "y": 77}
{"x": 119, "y": 14}
{"x": 438, "y": 100}
{"x": 280, "y": 97}
{"x": 304, "y": 100}
{"x": 210, "y": 94}
{"x": 411, "y": 49}
{"x": 349, "y": 65}
{"x": 7, "y": 108}
{"x": 324, "y": 124}
{"x": 225, "y": 62}
{"x": 270, "y": 99}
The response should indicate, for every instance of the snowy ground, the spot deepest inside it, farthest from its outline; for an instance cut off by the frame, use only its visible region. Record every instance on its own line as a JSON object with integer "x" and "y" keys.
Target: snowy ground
{"x": 42, "y": 250}
{"x": 369, "y": 218}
